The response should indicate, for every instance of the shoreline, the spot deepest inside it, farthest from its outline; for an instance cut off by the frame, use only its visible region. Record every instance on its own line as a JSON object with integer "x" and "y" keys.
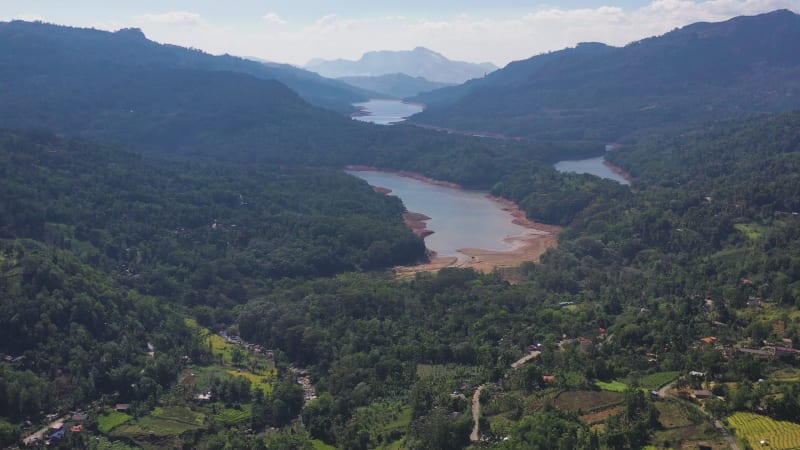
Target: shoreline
{"x": 618, "y": 170}
{"x": 404, "y": 173}
{"x": 417, "y": 222}
{"x": 529, "y": 245}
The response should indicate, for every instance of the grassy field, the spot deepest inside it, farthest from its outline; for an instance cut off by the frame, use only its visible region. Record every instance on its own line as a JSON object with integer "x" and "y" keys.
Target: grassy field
{"x": 258, "y": 369}
{"x": 449, "y": 371}
{"x": 788, "y": 375}
{"x": 162, "y": 425}
{"x": 319, "y": 445}
{"x": 751, "y": 230}
{"x": 111, "y": 420}
{"x": 613, "y": 386}
{"x": 657, "y": 380}
{"x": 755, "y": 428}
{"x": 587, "y": 400}
{"x": 263, "y": 381}
{"x": 672, "y": 414}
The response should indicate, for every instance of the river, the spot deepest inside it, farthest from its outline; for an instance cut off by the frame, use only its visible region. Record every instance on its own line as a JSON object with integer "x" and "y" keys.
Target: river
{"x": 459, "y": 218}
{"x": 592, "y": 166}
{"x": 386, "y": 112}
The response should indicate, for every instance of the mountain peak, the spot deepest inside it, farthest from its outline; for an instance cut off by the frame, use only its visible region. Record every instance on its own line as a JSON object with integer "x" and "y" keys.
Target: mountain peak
{"x": 134, "y": 33}
{"x": 419, "y": 62}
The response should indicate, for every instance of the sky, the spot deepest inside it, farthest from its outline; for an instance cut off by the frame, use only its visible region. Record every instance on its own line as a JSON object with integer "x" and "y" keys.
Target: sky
{"x": 295, "y": 31}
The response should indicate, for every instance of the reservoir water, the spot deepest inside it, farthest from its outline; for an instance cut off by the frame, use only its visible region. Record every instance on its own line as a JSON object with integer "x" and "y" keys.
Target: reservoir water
{"x": 592, "y": 166}
{"x": 386, "y": 112}
{"x": 459, "y": 218}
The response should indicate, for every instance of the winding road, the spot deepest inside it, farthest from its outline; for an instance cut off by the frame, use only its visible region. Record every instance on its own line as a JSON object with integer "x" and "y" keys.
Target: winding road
{"x": 475, "y": 436}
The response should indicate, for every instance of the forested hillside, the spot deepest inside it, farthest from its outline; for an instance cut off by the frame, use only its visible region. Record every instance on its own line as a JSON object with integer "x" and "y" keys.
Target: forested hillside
{"x": 226, "y": 289}
{"x": 704, "y": 71}
{"x": 642, "y": 268}
{"x": 26, "y": 42}
{"x": 175, "y": 110}
{"x": 395, "y": 85}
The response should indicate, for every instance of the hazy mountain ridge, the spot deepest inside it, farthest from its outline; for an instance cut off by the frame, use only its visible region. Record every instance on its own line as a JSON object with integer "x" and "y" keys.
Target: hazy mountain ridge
{"x": 419, "y": 62}
{"x": 703, "y": 71}
{"x": 19, "y": 39}
{"x": 395, "y": 85}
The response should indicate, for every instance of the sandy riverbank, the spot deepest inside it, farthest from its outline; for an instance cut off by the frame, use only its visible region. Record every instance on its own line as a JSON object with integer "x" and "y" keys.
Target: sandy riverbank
{"x": 417, "y": 223}
{"x": 619, "y": 171}
{"x": 527, "y": 246}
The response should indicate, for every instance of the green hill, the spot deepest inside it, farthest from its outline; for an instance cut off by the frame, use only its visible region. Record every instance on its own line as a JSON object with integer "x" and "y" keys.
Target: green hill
{"x": 704, "y": 71}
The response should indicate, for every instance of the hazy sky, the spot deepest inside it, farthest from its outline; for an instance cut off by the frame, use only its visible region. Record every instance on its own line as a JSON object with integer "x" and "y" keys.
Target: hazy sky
{"x": 295, "y": 31}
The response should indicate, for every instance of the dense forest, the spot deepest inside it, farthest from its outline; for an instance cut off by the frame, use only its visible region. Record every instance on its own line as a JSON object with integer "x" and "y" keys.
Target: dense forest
{"x": 202, "y": 238}
{"x": 152, "y": 105}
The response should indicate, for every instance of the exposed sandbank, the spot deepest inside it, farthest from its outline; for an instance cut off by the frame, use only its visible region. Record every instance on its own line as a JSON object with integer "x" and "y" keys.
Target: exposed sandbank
{"x": 527, "y": 246}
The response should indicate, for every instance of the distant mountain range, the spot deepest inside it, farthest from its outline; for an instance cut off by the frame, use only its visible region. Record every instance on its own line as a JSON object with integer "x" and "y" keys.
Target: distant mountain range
{"x": 130, "y": 47}
{"x": 419, "y": 62}
{"x": 704, "y": 71}
{"x": 396, "y": 85}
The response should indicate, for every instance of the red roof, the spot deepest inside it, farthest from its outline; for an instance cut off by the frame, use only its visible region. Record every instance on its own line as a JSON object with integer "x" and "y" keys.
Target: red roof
{"x": 76, "y": 428}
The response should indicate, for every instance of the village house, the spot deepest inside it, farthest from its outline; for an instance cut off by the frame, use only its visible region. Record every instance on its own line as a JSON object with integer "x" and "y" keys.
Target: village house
{"x": 701, "y": 394}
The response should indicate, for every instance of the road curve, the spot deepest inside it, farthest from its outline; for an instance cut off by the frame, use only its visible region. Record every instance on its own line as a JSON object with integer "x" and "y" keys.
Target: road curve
{"x": 476, "y": 414}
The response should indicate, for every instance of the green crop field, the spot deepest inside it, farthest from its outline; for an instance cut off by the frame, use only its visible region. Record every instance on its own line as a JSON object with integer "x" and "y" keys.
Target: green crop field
{"x": 163, "y": 421}
{"x": 657, "y": 380}
{"x": 755, "y": 428}
{"x": 263, "y": 380}
{"x": 111, "y": 420}
{"x": 613, "y": 386}
{"x": 319, "y": 445}
{"x": 232, "y": 416}
{"x": 789, "y": 375}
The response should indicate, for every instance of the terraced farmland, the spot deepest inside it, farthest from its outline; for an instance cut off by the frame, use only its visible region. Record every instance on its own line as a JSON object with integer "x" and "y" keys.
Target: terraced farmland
{"x": 755, "y": 428}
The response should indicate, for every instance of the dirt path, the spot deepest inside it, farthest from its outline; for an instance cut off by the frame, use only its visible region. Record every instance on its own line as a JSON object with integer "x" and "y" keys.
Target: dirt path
{"x": 40, "y": 434}
{"x": 663, "y": 391}
{"x": 732, "y": 444}
{"x": 476, "y": 414}
{"x": 520, "y": 362}
{"x": 476, "y": 397}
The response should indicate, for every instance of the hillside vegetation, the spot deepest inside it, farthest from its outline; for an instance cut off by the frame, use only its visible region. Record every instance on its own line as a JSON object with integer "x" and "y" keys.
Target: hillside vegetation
{"x": 703, "y": 71}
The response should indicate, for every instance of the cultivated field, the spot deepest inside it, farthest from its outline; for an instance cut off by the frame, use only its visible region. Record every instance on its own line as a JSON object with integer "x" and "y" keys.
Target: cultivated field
{"x": 755, "y": 428}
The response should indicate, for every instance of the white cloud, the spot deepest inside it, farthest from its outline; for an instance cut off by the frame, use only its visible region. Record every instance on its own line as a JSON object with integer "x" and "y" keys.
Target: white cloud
{"x": 172, "y": 18}
{"x": 502, "y": 37}
{"x": 273, "y": 19}
{"x": 331, "y": 22}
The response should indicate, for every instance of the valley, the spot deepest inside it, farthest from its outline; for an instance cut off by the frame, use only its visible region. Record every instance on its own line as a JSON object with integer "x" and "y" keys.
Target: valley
{"x": 206, "y": 251}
